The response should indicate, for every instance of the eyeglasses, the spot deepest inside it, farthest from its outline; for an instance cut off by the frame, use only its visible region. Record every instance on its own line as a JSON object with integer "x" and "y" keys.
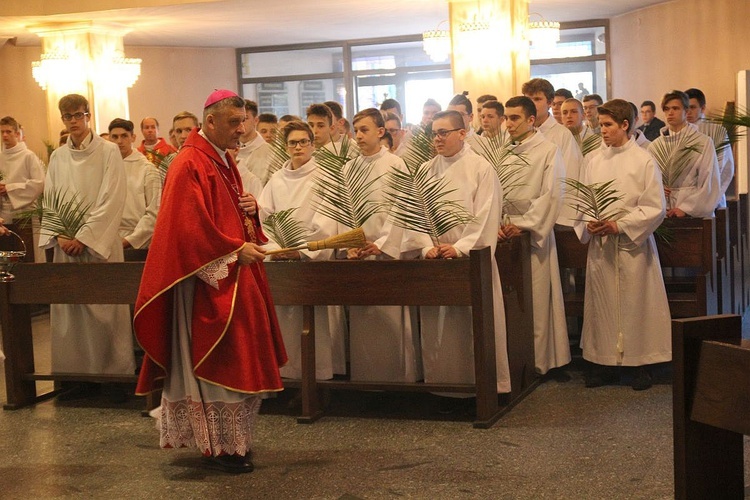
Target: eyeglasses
{"x": 443, "y": 133}
{"x": 302, "y": 142}
{"x": 393, "y": 131}
{"x": 79, "y": 115}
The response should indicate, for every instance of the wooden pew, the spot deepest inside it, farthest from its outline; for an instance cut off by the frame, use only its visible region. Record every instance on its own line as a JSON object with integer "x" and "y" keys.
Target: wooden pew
{"x": 745, "y": 248}
{"x": 735, "y": 257}
{"x": 711, "y": 406}
{"x": 723, "y": 276}
{"x": 694, "y": 250}
{"x": 571, "y": 256}
{"x": 457, "y": 282}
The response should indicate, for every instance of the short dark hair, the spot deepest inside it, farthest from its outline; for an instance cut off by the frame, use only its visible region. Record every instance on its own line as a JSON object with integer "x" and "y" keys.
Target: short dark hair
{"x": 297, "y": 125}
{"x": 390, "y": 104}
{"x": 563, "y": 93}
{"x": 593, "y": 97}
{"x": 538, "y": 85}
{"x": 336, "y": 109}
{"x": 676, "y": 95}
{"x": 251, "y": 106}
{"x": 121, "y": 123}
{"x": 373, "y": 113}
{"x": 521, "y": 101}
{"x": 71, "y": 102}
{"x": 320, "y": 110}
{"x": 392, "y": 116}
{"x": 497, "y": 106}
{"x": 388, "y": 137}
{"x": 149, "y": 118}
{"x": 267, "y": 118}
{"x": 290, "y": 118}
{"x": 432, "y": 102}
{"x": 457, "y": 121}
{"x": 619, "y": 110}
{"x": 9, "y": 121}
{"x": 462, "y": 99}
{"x": 698, "y": 95}
{"x": 230, "y": 102}
{"x": 650, "y": 104}
{"x": 485, "y": 97}
{"x": 185, "y": 114}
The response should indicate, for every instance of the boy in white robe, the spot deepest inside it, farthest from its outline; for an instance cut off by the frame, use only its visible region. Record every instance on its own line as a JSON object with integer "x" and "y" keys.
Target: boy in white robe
{"x": 698, "y": 190}
{"x": 626, "y": 318}
{"x": 383, "y": 340}
{"x": 542, "y": 93}
{"x": 94, "y": 339}
{"x": 292, "y": 187}
{"x": 144, "y": 188}
{"x": 254, "y": 153}
{"x": 447, "y": 345}
{"x": 535, "y": 206}
{"x": 21, "y": 179}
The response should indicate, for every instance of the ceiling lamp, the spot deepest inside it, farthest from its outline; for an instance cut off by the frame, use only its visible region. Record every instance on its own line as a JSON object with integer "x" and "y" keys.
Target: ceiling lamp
{"x": 437, "y": 43}
{"x": 544, "y": 34}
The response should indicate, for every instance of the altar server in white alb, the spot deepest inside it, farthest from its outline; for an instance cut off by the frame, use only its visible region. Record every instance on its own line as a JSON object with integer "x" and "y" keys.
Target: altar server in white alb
{"x": 696, "y": 114}
{"x": 447, "y": 346}
{"x": 254, "y": 153}
{"x": 542, "y": 93}
{"x": 384, "y": 340}
{"x": 144, "y": 188}
{"x": 626, "y": 318}
{"x": 21, "y": 172}
{"x": 88, "y": 338}
{"x": 534, "y": 206}
{"x": 292, "y": 187}
{"x": 698, "y": 189}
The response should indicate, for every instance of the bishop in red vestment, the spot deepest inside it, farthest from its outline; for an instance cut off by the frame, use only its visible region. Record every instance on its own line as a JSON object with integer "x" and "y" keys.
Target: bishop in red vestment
{"x": 204, "y": 314}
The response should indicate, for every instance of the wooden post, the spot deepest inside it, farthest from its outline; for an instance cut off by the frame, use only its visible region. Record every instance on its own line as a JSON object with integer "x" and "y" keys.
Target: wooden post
{"x": 19, "y": 350}
{"x": 708, "y": 461}
{"x": 309, "y": 389}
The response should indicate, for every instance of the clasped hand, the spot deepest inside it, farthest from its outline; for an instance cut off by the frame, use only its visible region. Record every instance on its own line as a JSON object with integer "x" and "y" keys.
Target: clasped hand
{"x": 71, "y": 247}
{"x": 602, "y": 227}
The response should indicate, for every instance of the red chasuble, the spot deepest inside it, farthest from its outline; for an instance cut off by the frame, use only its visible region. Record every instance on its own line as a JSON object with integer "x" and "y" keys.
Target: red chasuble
{"x": 236, "y": 341}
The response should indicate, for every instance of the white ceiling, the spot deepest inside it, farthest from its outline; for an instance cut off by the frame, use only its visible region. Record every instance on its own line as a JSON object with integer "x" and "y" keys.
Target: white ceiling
{"x": 250, "y": 23}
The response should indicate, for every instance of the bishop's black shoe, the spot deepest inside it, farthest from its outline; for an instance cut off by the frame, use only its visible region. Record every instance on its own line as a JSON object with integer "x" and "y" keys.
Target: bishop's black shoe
{"x": 232, "y": 464}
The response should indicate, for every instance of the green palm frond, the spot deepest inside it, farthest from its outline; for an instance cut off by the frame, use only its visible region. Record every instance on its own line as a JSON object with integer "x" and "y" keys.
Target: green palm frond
{"x": 279, "y": 156}
{"x": 734, "y": 121}
{"x": 61, "y": 214}
{"x": 285, "y": 230}
{"x": 345, "y": 194}
{"x": 509, "y": 166}
{"x": 420, "y": 148}
{"x": 593, "y": 200}
{"x": 164, "y": 161}
{"x": 419, "y": 202}
{"x": 590, "y": 143}
{"x": 674, "y": 156}
{"x": 718, "y": 135}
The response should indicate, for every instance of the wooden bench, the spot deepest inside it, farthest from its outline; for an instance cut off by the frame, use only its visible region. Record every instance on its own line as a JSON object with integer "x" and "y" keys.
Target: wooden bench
{"x": 711, "y": 406}
{"x": 460, "y": 282}
{"x": 735, "y": 257}
{"x": 456, "y": 282}
{"x": 572, "y": 256}
{"x": 723, "y": 276}
{"x": 693, "y": 250}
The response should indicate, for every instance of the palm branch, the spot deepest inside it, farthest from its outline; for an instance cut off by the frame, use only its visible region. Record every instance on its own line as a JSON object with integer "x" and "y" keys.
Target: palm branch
{"x": 718, "y": 135}
{"x": 509, "y": 165}
{"x": 285, "y": 230}
{"x": 420, "y": 148}
{"x": 589, "y": 143}
{"x": 60, "y": 213}
{"x": 345, "y": 194}
{"x": 419, "y": 202}
{"x": 734, "y": 120}
{"x": 279, "y": 156}
{"x": 674, "y": 156}
{"x": 593, "y": 200}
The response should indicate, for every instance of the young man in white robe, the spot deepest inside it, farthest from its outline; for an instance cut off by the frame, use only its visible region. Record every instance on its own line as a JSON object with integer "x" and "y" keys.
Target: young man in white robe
{"x": 447, "y": 345}
{"x": 21, "y": 179}
{"x": 534, "y": 207}
{"x": 95, "y": 339}
{"x": 292, "y": 187}
{"x": 383, "y": 340}
{"x": 697, "y": 191}
{"x": 144, "y": 188}
{"x": 462, "y": 104}
{"x": 492, "y": 116}
{"x": 696, "y": 114}
{"x": 572, "y": 118}
{"x": 542, "y": 92}
{"x": 254, "y": 153}
{"x": 626, "y": 320}
{"x": 321, "y": 120}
